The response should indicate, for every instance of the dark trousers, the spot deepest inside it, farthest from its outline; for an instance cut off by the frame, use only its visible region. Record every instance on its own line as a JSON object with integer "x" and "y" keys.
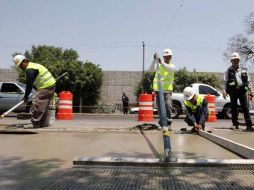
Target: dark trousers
{"x": 242, "y": 96}
{"x": 125, "y": 108}
{"x": 40, "y": 106}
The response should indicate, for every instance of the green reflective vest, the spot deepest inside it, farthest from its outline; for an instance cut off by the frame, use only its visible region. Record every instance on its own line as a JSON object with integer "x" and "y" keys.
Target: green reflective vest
{"x": 192, "y": 106}
{"x": 44, "y": 79}
{"x": 167, "y": 79}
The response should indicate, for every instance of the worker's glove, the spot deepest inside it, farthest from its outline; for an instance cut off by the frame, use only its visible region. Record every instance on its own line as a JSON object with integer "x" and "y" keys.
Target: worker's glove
{"x": 25, "y": 99}
{"x": 225, "y": 95}
{"x": 197, "y": 127}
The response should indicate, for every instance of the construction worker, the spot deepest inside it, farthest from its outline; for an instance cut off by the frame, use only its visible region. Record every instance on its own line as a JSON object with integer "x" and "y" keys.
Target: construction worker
{"x": 197, "y": 109}
{"x": 237, "y": 83}
{"x": 41, "y": 79}
{"x": 166, "y": 69}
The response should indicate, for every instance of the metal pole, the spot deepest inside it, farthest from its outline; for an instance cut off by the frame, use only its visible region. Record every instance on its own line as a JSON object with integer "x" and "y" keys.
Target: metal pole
{"x": 163, "y": 119}
{"x": 195, "y": 73}
{"x": 143, "y": 68}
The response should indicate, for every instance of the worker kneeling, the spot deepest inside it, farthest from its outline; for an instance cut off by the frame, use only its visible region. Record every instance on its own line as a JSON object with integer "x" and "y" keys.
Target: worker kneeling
{"x": 197, "y": 110}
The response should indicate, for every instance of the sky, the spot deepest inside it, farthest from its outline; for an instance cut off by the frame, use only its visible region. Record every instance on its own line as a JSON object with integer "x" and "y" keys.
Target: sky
{"x": 110, "y": 32}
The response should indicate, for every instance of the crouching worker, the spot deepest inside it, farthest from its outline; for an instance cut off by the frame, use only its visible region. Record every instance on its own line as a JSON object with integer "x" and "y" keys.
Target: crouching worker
{"x": 197, "y": 109}
{"x": 39, "y": 77}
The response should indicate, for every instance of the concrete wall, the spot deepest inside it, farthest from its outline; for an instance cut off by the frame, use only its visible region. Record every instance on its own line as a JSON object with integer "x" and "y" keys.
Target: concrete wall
{"x": 114, "y": 83}
{"x": 117, "y": 82}
{"x": 8, "y": 75}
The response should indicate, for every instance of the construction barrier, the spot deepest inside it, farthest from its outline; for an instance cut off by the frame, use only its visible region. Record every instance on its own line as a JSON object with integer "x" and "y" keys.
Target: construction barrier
{"x": 211, "y": 106}
{"x": 145, "y": 112}
{"x": 65, "y": 106}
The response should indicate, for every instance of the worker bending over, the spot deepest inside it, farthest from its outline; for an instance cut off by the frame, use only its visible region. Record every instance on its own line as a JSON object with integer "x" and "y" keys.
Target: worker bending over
{"x": 41, "y": 79}
{"x": 197, "y": 109}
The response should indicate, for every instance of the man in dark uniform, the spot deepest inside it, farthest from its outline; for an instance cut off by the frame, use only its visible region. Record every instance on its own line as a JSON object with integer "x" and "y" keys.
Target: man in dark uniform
{"x": 237, "y": 83}
{"x": 125, "y": 101}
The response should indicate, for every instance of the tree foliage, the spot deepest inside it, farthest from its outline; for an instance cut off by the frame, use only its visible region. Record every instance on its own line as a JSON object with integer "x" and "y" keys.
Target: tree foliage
{"x": 84, "y": 79}
{"x": 145, "y": 84}
{"x": 243, "y": 44}
{"x": 183, "y": 78}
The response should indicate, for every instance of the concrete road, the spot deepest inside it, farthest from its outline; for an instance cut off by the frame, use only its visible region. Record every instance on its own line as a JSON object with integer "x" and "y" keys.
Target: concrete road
{"x": 31, "y": 161}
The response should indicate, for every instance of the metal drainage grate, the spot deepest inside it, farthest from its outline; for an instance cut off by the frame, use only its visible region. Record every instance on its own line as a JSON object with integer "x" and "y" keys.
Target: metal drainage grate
{"x": 156, "y": 177}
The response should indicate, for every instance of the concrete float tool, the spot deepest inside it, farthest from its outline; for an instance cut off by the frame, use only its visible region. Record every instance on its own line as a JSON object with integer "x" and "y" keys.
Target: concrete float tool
{"x": 20, "y": 103}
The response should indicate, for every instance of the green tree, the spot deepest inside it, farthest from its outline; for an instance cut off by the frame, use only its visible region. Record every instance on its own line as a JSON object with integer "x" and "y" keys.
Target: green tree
{"x": 146, "y": 83}
{"x": 84, "y": 79}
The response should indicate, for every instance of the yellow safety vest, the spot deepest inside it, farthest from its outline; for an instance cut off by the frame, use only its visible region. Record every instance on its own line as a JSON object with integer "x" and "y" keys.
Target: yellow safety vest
{"x": 44, "y": 79}
{"x": 167, "y": 79}
{"x": 192, "y": 106}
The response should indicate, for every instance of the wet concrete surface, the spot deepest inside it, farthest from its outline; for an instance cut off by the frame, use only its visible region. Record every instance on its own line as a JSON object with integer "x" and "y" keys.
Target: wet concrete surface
{"x": 31, "y": 161}
{"x": 239, "y": 136}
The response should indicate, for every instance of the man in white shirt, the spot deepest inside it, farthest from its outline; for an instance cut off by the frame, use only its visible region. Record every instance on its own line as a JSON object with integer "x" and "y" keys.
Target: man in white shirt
{"x": 166, "y": 69}
{"x": 237, "y": 83}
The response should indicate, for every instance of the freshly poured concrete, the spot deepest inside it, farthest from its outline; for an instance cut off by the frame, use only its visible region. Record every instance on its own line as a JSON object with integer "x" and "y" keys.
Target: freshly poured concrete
{"x": 32, "y": 161}
{"x": 242, "y": 137}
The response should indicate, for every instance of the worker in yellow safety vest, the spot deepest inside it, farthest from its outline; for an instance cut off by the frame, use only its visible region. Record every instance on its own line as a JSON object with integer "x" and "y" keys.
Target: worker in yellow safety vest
{"x": 197, "y": 109}
{"x": 41, "y": 79}
{"x": 166, "y": 69}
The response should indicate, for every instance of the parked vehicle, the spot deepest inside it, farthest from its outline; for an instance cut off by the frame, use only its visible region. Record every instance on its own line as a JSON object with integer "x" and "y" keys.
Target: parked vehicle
{"x": 11, "y": 93}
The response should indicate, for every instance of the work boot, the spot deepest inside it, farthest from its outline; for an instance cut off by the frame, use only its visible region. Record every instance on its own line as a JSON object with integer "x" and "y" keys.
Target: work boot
{"x": 203, "y": 127}
{"x": 249, "y": 128}
{"x": 236, "y": 125}
{"x": 169, "y": 121}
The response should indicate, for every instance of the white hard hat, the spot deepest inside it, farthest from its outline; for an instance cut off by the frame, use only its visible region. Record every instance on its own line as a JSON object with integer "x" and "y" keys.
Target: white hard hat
{"x": 188, "y": 93}
{"x": 235, "y": 56}
{"x": 167, "y": 52}
{"x": 18, "y": 59}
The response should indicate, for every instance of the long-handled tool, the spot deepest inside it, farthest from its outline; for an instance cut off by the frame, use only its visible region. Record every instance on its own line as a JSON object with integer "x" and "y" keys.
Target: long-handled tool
{"x": 20, "y": 103}
{"x": 163, "y": 116}
{"x": 10, "y": 110}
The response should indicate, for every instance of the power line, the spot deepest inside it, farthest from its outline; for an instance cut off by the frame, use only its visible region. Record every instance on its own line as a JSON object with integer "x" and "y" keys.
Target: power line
{"x": 170, "y": 23}
{"x": 168, "y": 27}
